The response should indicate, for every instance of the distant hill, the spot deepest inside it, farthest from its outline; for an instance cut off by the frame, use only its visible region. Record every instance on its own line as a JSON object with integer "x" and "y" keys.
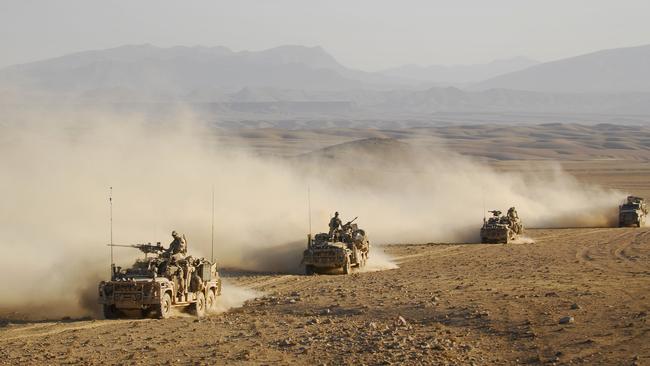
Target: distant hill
{"x": 154, "y": 73}
{"x": 459, "y": 74}
{"x": 609, "y": 71}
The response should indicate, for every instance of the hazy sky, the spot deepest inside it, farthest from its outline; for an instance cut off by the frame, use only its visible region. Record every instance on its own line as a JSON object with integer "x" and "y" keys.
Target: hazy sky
{"x": 365, "y": 34}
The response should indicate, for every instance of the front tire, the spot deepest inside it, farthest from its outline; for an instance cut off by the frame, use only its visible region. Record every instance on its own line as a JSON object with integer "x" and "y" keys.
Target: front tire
{"x": 346, "y": 267}
{"x": 110, "y": 312}
{"x": 210, "y": 301}
{"x": 309, "y": 270}
{"x": 164, "y": 309}
{"x": 198, "y": 308}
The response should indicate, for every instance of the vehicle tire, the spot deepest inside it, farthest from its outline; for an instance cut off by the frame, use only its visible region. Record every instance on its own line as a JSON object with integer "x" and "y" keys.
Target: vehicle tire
{"x": 110, "y": 312}
{"x": 346, "y": 267}
{"x": 309, "y": 270}
{"x": 484, "y": 240}
{"x": 210, "y": 301}
{"x": 164, "y": 309}
{"x": 198, "y": 308}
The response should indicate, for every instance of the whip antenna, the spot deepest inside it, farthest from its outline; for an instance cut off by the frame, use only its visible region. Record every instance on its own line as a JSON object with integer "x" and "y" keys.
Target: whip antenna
{"x": 483, "y": 193}
{"x": 212, "y": 242}
{"x": 110, "y": 201}
{"x": 309, "y": 207}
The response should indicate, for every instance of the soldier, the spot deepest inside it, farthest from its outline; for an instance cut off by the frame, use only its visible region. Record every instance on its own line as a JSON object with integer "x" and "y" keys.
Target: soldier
{"x": 514, "y": 220}
{"x": 174, "y": 271}
{"x": 173, "y": 267}
{"x": 178, "y": 247}
{"x": 335, "y": 223}
{"x": 512, "y": 214}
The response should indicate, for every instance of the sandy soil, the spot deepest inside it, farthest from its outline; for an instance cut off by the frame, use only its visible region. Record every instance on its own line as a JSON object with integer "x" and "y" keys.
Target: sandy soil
{"x": 445, "y": 304}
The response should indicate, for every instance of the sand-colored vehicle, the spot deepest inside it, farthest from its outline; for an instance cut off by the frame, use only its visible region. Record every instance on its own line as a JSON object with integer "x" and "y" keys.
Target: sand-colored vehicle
{"x": 155, "y": 285}
{"x": 632, "y": 212}
{"x": 500, "y": 228}
{"x": 346, "y": 249}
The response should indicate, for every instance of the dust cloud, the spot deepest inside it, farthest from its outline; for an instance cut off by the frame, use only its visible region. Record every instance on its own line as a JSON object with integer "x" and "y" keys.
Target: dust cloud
{"x": 379, "y": 261}
{"x": 59, "y": 164}
{"x": 523, "y": 240}
{"x": 233, "y": 296}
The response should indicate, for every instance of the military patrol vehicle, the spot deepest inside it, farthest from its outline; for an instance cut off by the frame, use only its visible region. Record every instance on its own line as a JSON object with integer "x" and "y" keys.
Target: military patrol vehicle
{"x": 157, "y": 283}
{"x": 633, "y": 212}
{"x": 501, "y": 228}
{"x": 346, "y": 248}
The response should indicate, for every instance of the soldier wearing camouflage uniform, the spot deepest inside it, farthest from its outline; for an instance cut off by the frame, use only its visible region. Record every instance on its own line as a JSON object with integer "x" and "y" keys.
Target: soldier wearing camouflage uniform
{"x": 514, "y": 220}
{"x": 175, "y": 253}
{"x": 178, "y": 247}
{"x": 335, "y": 223}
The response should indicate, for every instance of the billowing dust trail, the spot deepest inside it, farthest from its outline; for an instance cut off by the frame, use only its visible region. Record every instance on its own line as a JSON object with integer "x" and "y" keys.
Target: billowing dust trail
{"x": 379, "y": 260}
{"x": 162, "y": 171}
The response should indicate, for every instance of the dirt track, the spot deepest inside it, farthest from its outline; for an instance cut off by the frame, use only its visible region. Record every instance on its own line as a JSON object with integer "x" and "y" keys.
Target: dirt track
{"x": 461, "y": 304}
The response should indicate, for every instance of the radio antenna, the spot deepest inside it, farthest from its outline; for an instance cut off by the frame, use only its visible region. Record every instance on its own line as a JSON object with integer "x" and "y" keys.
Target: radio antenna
{"x": 309, "y": 206}
{"x": 212, "y": 241}
{"x": 483, "y": 193}
{"x": 110, "y": 201}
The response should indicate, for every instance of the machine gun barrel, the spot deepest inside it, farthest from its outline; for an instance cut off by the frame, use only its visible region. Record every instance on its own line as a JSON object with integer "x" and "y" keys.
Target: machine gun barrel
{"x": 351, "y": 221}
{"x": 145, "y": 248}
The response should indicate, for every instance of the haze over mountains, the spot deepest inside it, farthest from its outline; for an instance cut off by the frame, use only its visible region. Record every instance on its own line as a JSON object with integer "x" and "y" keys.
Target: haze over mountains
{"x": 297, "y": 80}
{"x": 609, "y": 71}
{"x": 460, "y": 74}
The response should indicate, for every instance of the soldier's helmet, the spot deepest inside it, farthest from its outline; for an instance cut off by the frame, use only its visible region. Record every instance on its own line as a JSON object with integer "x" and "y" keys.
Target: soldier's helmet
{"x": 336, "y": 213}
{"x": 174, "y": 233}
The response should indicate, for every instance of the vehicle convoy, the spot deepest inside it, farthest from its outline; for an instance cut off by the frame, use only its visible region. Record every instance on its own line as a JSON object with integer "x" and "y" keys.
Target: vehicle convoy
{"x": 346, "y": 248}
{"x": 501, "y": 228}
{"x": 632, "y": 212}
{"x": 156, "y": 284}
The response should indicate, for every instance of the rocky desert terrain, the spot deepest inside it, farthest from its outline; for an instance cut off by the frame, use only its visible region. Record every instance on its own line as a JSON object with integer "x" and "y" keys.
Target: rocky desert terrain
{"x": 574, "y": 296}
{"x": 566, "y": 296}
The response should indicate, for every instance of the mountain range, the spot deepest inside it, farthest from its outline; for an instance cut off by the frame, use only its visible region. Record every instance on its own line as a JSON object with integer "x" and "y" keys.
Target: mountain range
{"x": 608, "y": 71}
{"x": 610, "y": 81}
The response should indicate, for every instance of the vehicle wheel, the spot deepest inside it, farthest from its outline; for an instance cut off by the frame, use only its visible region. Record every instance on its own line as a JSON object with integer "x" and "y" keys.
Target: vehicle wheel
{"x": 198, "y": 308}
{"x": 309, "y": 270}
{"x": 164, "y": 309}
{"x": 210, "y": 301}
{"x": 484, "y": 240}
{"x": 346, "y": 267}
{"x": 110, "y": 312}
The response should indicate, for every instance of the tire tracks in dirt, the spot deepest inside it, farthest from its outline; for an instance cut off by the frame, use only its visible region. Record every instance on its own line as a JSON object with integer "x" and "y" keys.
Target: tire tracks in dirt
{"x": 54, "y": 328}
{"x": 609, "y": 253}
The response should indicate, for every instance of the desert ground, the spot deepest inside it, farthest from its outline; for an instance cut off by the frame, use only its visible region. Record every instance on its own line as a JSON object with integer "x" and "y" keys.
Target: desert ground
{"x": 445, "y": 304}
{"x": 568, "y": 296}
